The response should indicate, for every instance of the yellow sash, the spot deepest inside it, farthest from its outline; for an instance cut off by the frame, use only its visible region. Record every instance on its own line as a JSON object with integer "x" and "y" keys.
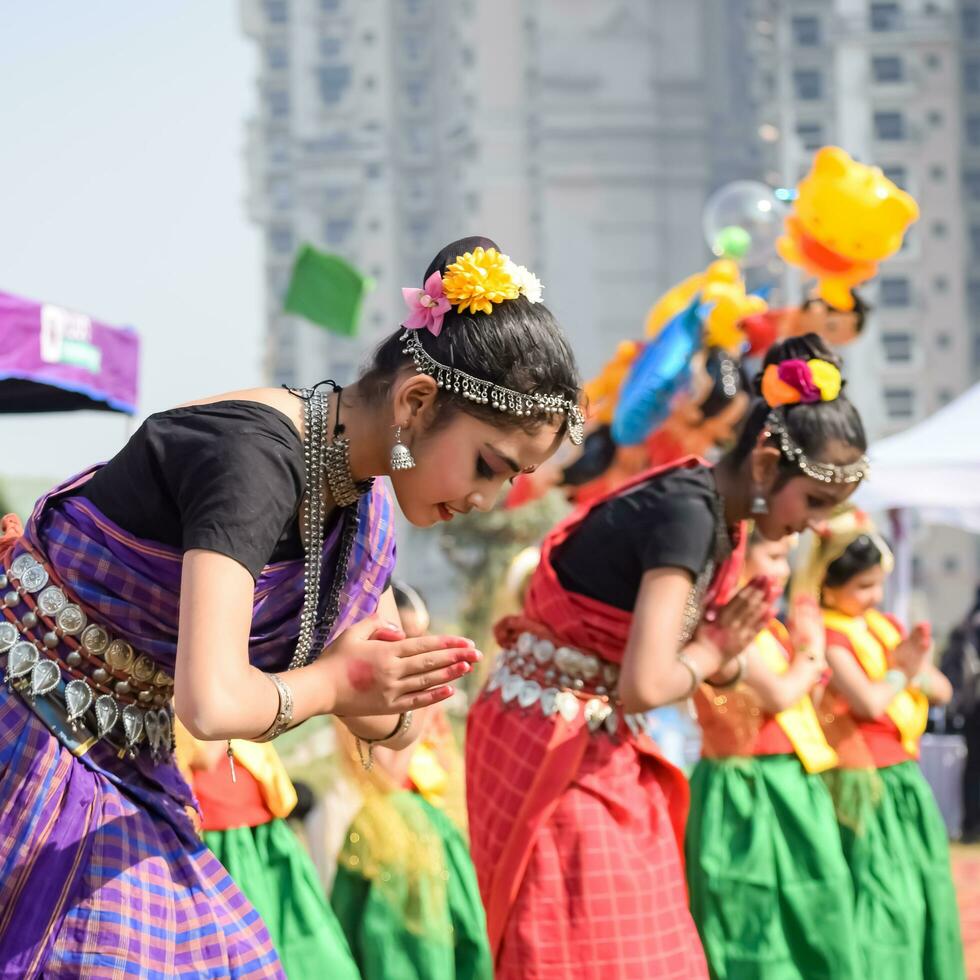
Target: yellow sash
{"x": 872, "y": 640}
{"x": 259, "y": 758}
{"x": 263, "y": 762}
{"x": 427, "y": 773}
{"x": 799, "y": 722}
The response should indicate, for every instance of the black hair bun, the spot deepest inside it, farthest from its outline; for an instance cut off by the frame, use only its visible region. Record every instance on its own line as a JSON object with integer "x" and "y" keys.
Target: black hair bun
{"x": 447, "y": 255}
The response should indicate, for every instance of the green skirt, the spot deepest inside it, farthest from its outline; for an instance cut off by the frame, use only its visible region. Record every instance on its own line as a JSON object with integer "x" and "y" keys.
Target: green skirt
{"x": 269, "y": 864}
{"x": 770, "y": 891}
{"x": 895, "y": 843}
{"x": 419, "y": 927}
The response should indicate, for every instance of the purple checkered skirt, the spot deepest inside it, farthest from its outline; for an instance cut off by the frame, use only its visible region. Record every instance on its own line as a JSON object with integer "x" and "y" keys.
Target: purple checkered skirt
{"x": 93, "y": 884}
{"x": 101, "y": 872}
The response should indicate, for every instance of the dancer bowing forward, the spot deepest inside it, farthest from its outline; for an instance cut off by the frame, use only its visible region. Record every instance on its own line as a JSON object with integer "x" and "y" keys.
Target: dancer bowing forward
{"x": 576, "y": 821}
{"x": 770, "y": 890}
{"x": 214, "y": 559}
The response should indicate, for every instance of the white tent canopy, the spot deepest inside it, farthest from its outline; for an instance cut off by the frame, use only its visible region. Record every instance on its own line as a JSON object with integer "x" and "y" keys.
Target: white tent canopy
{"x": 932, "y": 468}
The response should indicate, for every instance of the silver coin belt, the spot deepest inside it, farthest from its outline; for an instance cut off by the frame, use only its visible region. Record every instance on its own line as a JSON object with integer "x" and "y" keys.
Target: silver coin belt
{"x": 103, "y": 687}
{"x": 535, "y": 674}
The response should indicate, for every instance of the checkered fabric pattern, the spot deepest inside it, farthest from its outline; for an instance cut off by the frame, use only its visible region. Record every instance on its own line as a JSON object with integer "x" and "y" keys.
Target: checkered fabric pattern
{"x": 577, "y": 838}
{"x": 92, "y": 885}
{"x": 602, "y": 894}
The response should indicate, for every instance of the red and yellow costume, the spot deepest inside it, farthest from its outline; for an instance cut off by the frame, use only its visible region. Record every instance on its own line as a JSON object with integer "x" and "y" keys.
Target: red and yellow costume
{"x": 894, "y": 736}
{"x": 770, "y": 890}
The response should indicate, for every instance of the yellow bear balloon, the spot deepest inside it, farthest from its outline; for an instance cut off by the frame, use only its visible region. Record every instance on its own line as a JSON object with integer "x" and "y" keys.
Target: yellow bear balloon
{"x": 847, "y": 218}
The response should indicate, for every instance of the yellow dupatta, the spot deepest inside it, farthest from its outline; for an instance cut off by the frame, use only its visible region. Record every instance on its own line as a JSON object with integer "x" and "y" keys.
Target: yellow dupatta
{"x": 799, "y": 722}
{"x": 872, "y": 638}
{"x": 428, "y": 775}
{"x": 259, "y": 758}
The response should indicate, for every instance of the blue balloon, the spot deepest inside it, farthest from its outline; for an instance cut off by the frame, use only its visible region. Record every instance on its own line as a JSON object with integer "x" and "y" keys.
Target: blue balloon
{"x": 661, "y": 370}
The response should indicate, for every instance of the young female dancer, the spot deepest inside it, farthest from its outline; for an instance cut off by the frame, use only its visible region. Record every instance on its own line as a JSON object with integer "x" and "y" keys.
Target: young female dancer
{"x": 227, "y": 546}
{"x": 576, "y": 821}
{"x": 770, "y": 890}
{"x": 875, "y": 711}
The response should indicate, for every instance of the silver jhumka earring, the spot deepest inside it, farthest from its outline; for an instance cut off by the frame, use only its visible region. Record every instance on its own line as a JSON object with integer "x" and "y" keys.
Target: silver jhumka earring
{"x": 401, "y": 455}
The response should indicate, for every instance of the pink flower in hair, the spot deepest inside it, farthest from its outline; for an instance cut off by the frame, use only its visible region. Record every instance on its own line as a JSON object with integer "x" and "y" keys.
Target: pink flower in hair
{"x": 797, "y": 374}
{"x": 428, "y": 305}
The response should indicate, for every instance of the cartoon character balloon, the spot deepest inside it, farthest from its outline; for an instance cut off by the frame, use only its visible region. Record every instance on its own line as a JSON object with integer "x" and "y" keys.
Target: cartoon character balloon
{"x": 847, "y": 218}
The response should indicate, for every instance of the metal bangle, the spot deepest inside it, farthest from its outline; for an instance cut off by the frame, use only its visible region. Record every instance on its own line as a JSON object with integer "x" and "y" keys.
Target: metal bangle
{"x": 742, "y": 662}
{"x": 694, "y": 670}
{"x": 367, "y": 761}
{"x": 284, "y": 716}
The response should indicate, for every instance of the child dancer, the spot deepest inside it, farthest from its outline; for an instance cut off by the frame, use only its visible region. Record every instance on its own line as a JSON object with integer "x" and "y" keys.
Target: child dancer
{"x": 575, "y": 818}
{"x": 405, "y": 891}
{"x": 875, "y": 711}
{"x": 770, "y": 890}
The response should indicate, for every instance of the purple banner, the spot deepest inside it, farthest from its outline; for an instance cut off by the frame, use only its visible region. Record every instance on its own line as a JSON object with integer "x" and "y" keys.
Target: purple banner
{"x": 55, "y": 359}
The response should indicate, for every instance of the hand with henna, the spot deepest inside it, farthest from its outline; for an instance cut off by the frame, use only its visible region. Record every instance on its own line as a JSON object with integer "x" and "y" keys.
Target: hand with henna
{"x": 387, "y": 674}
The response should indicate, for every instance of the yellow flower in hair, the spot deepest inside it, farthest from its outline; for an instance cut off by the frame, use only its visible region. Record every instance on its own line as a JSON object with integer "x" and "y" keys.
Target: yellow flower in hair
{"x": 478, "y": 279}
{"x": 826, "y": 377}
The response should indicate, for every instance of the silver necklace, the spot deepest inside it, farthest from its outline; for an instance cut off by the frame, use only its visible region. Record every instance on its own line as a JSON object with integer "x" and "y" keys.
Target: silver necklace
{"x": 330, "y": 461}
{"x": 344, "y": 490}
{"x": 722, "y": 548}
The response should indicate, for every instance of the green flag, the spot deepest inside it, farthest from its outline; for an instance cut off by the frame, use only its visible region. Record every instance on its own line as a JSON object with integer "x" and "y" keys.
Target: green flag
{"x": 327, "y": 290}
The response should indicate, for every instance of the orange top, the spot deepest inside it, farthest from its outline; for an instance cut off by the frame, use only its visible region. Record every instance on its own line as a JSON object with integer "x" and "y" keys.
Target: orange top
{"x": 732, "y": 723}
{"x": 735, "y": 725}
{"x": 226, "y": 804}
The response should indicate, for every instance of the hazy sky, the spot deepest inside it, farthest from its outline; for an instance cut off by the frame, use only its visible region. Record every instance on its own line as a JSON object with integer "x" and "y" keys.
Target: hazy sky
{"x": 122, "y": 194}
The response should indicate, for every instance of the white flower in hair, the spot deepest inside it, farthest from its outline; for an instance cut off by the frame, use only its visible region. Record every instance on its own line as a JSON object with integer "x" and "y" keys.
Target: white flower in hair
{"x": 528, "y": 284}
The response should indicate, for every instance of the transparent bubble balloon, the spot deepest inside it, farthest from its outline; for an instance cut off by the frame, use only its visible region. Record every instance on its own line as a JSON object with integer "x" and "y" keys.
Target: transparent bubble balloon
{"x": 742, "y": 221}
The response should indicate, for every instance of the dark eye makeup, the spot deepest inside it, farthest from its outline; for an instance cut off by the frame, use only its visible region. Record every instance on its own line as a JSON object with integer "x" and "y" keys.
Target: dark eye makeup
{"x": 483, "y": 469}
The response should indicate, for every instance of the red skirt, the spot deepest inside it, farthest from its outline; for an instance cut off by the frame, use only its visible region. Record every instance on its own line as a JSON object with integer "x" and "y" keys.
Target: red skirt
{"x": 575, "y": 841}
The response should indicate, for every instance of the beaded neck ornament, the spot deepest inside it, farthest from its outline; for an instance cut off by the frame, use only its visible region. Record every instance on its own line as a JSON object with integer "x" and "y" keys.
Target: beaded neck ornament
{"x": 327, "y": 459}
{"x": 476, "y": 282}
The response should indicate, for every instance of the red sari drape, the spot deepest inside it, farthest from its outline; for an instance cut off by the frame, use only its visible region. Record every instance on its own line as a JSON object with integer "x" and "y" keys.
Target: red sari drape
{"x": 577, "y": 838}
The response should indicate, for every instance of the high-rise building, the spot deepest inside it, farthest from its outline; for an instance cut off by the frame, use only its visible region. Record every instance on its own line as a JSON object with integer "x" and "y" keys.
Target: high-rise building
{"x": 585, "y": 136}
{"x": 969, "y": 67}
{"x": 884, "y": 81}
{"x": 361, "y": 121}
{"x": 574, "y": 132}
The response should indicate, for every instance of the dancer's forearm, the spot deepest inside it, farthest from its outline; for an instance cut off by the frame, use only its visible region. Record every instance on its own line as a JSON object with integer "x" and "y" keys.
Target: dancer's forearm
{"x": 245, "y": 706}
